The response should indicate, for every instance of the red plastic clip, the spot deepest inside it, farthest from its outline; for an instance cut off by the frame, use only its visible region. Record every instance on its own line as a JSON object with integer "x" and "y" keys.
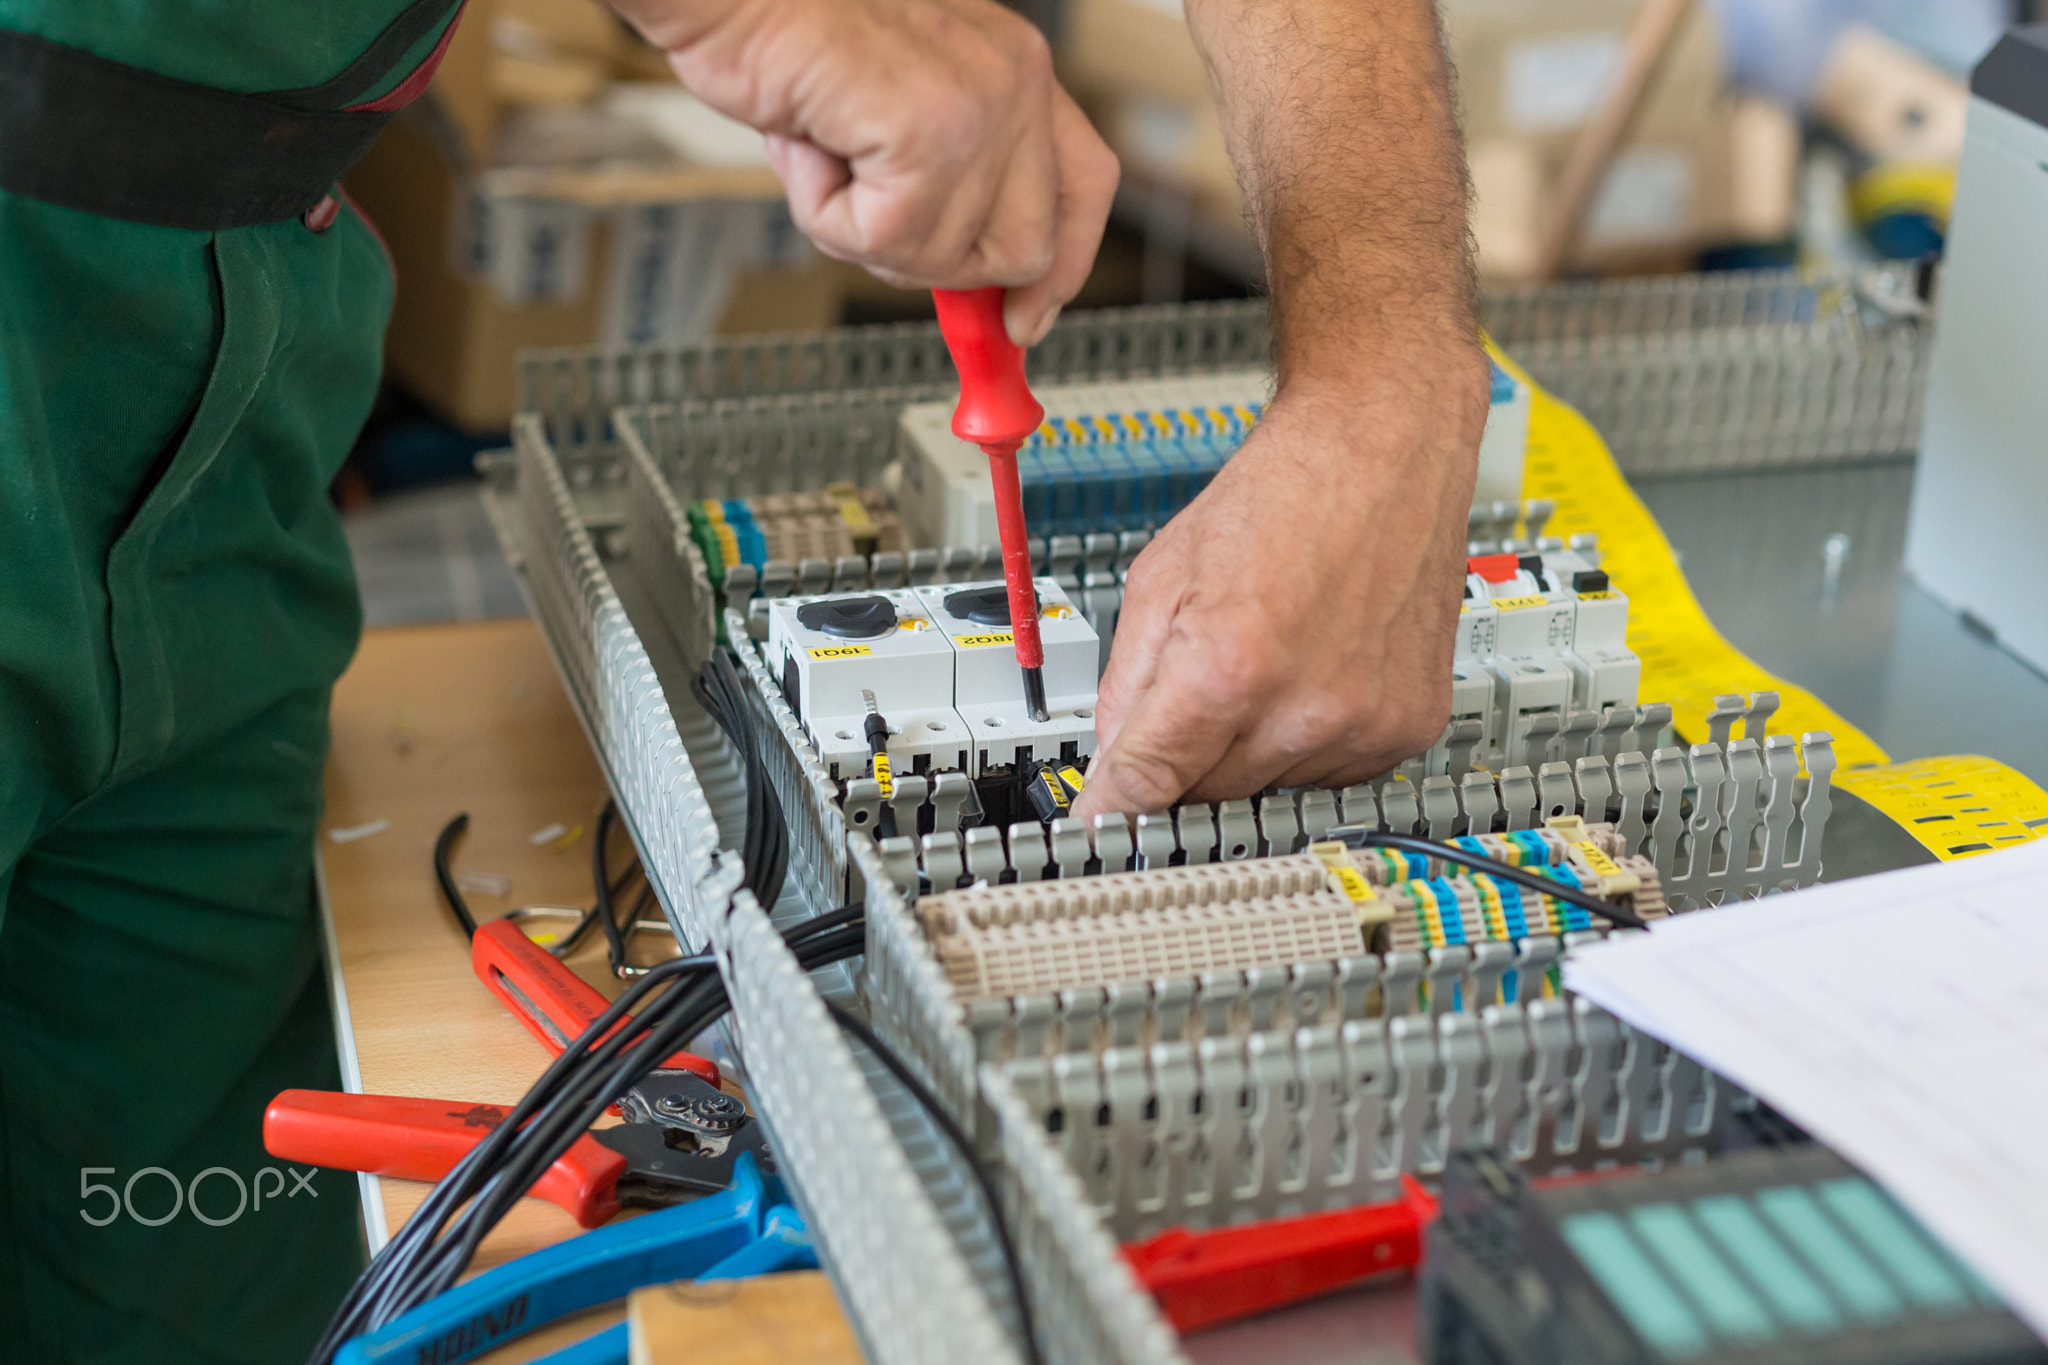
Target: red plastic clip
{"x": 1202, "y": 1279}
{"x": 1494, "y": 568}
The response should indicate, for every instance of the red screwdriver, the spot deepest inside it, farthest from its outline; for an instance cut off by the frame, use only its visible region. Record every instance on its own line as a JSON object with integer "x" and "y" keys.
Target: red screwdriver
{"x": 997, "y": 412}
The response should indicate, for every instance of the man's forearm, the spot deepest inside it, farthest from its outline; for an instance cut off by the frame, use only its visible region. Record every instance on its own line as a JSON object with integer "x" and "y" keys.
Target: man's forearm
{"x": 1339, "y": 116}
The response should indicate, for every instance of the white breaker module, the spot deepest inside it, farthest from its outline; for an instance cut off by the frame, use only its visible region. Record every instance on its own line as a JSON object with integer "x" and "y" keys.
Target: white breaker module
{"x": 939, "y": 663}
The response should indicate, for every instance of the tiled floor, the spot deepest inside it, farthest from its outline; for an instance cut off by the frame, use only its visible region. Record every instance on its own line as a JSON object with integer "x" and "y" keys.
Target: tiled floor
{"x": 429, "y": 555}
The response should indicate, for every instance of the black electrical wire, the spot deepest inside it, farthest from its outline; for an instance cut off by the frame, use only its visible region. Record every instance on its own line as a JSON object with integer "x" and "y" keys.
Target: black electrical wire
{"x": 764, "y": 843}
{"x": 435, "y": 1246}
{"x": 1493, "y": 867}
{"x": 685, "y": 1013}
{"x": 1012, "y": 1262}
{"x": 444, "y": 847}
{"x": 366, "y": 1304}
{"x": 444, "y": 844}
{"x": 607, "y": 915}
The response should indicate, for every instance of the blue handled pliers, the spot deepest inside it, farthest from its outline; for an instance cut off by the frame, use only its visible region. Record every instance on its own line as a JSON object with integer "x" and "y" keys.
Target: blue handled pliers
{"x": 747, "y": 1229}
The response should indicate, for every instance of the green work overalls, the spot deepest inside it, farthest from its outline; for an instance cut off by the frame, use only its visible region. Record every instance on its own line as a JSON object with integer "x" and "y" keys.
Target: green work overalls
{"x": 176, "y": 601}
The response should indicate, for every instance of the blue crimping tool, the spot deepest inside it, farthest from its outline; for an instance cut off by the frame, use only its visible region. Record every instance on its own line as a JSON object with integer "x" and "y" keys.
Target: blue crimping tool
{"x": 748, "y": 1229}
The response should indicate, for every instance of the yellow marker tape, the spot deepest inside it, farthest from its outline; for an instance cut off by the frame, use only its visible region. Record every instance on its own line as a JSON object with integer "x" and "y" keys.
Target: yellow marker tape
{"x": 1606, "y": 596}
{"x": 971, "y": 641}
{"x": 1598, "y": 861}
{"x": 1685, "y": 660}
{"x": 1954, "y": 807}
{"x": 882, "y": 777}
{"x": 840, "y": 651}
{"x": 1517, "y": 603}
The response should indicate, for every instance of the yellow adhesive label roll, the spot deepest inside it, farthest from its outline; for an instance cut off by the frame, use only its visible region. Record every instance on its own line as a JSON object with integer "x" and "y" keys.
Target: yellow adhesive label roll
{"x": 975, "y": 641}
{"x": 1955, "y": 807}
{"x": 840, "y": 651}
{"x": 1686, "y": 662}
{"x": 1518, "y": 603}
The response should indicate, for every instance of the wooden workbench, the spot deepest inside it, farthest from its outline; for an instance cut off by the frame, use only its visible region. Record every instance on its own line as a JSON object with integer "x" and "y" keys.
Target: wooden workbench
{"x": 430, "y": 721}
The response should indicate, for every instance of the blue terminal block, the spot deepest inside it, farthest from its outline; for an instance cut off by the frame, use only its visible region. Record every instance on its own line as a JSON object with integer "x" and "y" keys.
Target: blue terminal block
{"x": 1125, "y": 471}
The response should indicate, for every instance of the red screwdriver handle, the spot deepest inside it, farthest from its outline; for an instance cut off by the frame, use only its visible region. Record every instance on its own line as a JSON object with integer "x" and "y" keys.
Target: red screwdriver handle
{"x": 996, "y": 407}
{"x": 554, "y": 1003}
{"x": 996, "y": 412}
{"x": 419, "y": 1139}
{"x": 1201, "y": 1279}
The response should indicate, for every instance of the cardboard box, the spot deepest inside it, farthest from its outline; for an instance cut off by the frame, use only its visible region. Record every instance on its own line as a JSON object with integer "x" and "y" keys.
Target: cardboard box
{"x": 1525, "y": 68}
{"x": 1664, "y": 199}
{"x": 1132, "y": 47}
{"x": 1536, "y": 69}
{"x": 491, "y": 261}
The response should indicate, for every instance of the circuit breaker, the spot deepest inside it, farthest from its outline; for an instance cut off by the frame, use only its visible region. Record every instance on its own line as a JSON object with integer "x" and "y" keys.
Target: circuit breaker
{"x": 938, "y": 665}
{"x": 1538, "y": 634}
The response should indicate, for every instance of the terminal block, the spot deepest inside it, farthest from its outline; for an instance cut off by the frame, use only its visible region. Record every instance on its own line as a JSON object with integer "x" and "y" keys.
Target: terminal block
{"x": 790, "y": 528}
{"x": 1127, "y": 455}
{"x": 1139, "y": 926}
{"x": 1436, "y": 903}
{"x": 1764, "y": 1257}
{"x": 1329, "y": 905}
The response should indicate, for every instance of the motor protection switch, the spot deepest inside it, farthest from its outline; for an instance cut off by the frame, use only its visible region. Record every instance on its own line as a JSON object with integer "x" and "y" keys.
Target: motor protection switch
{"x": 975, "y": 617}
{"x": 831, "y": 650}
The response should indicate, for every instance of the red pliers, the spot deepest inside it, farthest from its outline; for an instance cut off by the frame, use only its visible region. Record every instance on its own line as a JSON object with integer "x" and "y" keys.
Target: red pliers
{"x": 679, "y": 1141}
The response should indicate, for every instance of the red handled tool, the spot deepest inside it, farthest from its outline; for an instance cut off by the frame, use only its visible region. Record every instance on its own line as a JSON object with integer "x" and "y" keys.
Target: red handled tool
{"x": 1202, "y": 1279}
{"x": 554, "y": 1003}
{"x": 997, "y": 412}
{"x": 680, "y": 1142}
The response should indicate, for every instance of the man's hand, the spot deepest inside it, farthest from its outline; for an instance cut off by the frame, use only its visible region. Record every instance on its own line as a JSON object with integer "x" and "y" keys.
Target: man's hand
{"x": 926, "y": 140}
{"x": 1294, "y": 626}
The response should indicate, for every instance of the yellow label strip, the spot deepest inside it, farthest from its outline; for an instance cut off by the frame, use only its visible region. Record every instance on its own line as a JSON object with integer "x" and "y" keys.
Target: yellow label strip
{"x": 1955, "y": 806}
{"x": 1685, "y": 660}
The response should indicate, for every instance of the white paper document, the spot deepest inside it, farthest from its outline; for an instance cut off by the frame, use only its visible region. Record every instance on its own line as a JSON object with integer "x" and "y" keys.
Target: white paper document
{"x": 1902, "y": 1019}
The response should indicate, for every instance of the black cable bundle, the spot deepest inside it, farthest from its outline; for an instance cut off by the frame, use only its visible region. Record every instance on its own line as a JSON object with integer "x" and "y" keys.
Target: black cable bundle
{"x": 765, "y": 850}
{"x": 681, "y": 998}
